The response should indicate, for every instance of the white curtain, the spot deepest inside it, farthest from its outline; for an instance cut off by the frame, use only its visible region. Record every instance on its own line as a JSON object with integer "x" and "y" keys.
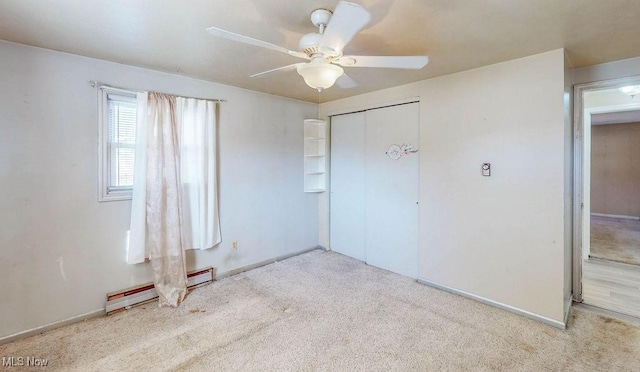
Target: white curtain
{"x": 137, "y": 248}
{"x": 174, "y": 204}
{"x": 198, "y": 170}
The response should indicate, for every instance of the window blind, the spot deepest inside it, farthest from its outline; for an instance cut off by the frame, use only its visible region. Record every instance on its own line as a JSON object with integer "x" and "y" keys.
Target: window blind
{"x": 121, "y": 141}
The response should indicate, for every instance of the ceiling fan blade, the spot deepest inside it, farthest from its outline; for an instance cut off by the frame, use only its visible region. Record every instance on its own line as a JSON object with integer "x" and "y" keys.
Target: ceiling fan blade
{"x": 406, "y": 62}
{"x": 346, "y": 21}
{"x": 249, "y": 40}
{"x": 345, "y": 82}
{"x": 283, "y": 68}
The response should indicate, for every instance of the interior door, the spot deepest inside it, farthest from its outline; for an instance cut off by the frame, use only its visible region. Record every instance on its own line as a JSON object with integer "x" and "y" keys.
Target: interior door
{"x": 391, "y": 195}
{"x": 347, "y": 220}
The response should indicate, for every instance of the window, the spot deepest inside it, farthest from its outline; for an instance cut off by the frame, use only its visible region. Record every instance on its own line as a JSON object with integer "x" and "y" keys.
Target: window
{"x": 117, "y": 143}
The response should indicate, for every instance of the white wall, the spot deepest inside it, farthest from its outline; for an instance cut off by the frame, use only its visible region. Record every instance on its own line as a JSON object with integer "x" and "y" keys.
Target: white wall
{"x": 501, "y": 237}
{"x": 61, "y": 250}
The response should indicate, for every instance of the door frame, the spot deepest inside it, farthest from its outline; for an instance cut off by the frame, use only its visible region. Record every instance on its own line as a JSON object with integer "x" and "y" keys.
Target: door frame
{"x": 578, "y": 168}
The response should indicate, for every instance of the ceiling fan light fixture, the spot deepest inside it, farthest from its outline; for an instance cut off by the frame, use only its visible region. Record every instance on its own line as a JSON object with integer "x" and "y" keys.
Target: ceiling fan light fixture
{"x": 324, "y": 49}
{"x": 320, "y": 75}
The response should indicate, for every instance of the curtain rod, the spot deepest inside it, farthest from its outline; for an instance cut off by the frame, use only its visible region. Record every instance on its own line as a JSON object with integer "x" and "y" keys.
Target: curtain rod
{"x": 95, "y": 83}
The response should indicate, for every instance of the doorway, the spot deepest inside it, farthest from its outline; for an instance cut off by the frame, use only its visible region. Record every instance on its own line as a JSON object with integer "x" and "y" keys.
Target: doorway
{"x": 607, "y": 194}
{"x": 374, "y": 187}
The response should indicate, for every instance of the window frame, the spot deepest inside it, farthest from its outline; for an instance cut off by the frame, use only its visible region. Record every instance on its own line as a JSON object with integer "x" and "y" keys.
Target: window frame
{"x": 105, "y": 192}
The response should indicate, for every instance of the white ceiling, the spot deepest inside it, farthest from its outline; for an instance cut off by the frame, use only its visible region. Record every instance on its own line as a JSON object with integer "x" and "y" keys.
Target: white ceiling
{"x": 457, "y": 35}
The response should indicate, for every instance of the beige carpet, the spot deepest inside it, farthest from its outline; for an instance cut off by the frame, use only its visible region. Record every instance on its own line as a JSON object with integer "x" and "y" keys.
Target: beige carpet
{"x": 615, "y": 239}
{"x": 324, "y": 311}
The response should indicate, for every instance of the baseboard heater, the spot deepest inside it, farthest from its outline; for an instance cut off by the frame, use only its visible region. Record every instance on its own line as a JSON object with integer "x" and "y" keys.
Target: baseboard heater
{"x": 130, "y": 297}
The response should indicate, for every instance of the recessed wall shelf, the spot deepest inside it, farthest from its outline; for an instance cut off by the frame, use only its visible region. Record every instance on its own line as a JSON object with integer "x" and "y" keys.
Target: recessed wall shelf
{"x": 315, "y": 135}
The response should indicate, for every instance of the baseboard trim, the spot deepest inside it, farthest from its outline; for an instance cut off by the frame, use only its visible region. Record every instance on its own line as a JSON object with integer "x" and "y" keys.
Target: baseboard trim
{"x": 262, "y": 263}
{"x": 515, "y": 310}
{"x": 610, "y": 263}
{"x": 101, "y": 312}
{"x": 50, "y": 326}
{"x": 618, "y": 216}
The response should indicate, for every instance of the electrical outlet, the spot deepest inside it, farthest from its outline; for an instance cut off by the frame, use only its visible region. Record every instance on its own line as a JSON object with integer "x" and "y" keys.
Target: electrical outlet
{"x": 234, "y": 245}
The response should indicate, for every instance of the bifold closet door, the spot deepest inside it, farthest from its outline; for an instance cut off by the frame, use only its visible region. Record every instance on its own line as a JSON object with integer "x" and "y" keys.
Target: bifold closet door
{"x": 391, "y": 196}
{"x": 347, "y": 219}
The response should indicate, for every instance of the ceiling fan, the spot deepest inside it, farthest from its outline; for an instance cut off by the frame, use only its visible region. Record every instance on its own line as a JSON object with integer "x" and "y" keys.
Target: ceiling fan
{"x": 324, "y": 49}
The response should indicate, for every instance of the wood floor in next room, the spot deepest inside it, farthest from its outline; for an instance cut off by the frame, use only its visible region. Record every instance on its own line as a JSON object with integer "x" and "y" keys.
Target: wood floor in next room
{"x": 615, "y": 239}
{"x": 325, "y": 311}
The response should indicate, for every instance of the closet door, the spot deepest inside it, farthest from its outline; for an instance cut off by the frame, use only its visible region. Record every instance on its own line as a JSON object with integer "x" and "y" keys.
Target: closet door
{"x": 347, "y": 185}
{"x": 391, "y": 195}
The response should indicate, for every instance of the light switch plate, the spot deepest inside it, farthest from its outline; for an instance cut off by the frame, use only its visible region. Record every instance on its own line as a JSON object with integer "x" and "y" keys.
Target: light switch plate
{"x": 486, "y": 169}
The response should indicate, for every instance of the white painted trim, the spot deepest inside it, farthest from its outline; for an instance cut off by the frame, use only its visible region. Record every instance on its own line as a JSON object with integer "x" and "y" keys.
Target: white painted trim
{"x": 103, "y": 169}
{"x": 578, "y": 184}
{"x": 101, "y": 312}
{"x": 263, "y": 263}
{"x": 635, "y": 122}
{"x": 578, "y": 200}
{"x": 613, "y": 264}
{"x": 374, "y": 106}
{"x": 493, "y": 303}
{"x": 586, "y": 163}
{"x": 608, "y": 84}
{"x": 618, "y": 216}
{"x": 586, "y": 180}
{"x": 50, "y": 326}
